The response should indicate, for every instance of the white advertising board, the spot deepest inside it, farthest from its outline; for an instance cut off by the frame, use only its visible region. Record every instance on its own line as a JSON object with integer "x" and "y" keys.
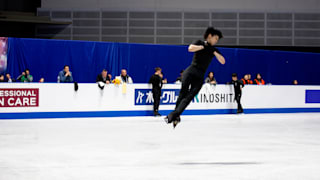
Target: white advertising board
{"x": 45, "y": 100}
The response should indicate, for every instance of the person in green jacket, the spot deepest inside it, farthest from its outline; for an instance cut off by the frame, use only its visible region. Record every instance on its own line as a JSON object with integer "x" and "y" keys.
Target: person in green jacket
{"x": 25, "y": 76}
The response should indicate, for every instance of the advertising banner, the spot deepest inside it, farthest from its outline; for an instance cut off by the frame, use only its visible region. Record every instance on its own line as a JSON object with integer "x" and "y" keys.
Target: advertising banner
{"x": 10, "y": 97}
{"x": 3, "y": 54}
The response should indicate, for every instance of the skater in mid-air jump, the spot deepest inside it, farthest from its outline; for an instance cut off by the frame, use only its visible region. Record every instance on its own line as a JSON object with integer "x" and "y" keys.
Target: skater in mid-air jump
{"x": 193, "y": 76}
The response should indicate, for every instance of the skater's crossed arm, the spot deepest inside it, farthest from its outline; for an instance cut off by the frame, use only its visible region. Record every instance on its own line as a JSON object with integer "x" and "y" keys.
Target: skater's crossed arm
{"x": 219, "y": 57}
{"x": 195, "y": 48}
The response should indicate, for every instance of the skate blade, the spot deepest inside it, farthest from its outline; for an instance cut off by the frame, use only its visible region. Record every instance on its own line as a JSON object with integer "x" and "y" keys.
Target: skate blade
{"x": 175, "y": 123}
{"x": 166, "y": 119}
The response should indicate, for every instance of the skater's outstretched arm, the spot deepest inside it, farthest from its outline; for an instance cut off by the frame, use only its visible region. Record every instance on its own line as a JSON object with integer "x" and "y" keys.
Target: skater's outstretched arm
{"x": 219, "y": 57}
{"x": 195, "y": 48}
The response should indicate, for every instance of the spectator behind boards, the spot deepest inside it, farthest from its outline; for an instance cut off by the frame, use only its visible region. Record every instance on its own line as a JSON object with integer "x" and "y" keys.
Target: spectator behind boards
{"x": 246, "y": 79}
{"x": 210, "y": 79}
{"x": 28, "y": 76}
{"x": 259, "y": 80}
{"x": 41, "y": 80}
{"x": 103, "y": 77}
{"x": 25, "y": 76}
{"x": 19, "y": 78}
{"x": 124, "y": 77}
{"x": 65, "y": 76}
{"x": 9, "y": 79}
{"x": 2, "y": 78}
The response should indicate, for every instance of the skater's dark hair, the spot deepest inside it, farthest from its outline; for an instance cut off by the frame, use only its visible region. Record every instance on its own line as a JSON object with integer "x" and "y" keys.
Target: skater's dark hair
{"x": 234, "y": 75}
{"x": 212, "y": 31}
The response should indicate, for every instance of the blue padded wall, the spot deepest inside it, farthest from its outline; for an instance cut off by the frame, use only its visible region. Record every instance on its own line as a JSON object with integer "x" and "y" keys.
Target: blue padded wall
{"x": 45, "y": 58}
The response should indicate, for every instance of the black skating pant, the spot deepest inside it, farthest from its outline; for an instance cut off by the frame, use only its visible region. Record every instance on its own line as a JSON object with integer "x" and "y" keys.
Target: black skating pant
{"x": 156, "y": 93}
{"x": 192, "y": 81}
{"x": 238, "y": 99}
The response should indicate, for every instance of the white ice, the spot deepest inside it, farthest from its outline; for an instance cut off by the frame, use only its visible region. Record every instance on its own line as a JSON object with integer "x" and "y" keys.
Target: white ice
{"x": 240, "y": 147}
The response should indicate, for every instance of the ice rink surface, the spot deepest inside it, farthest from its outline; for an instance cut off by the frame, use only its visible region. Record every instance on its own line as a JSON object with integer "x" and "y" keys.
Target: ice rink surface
{"x": 232, "y": 147}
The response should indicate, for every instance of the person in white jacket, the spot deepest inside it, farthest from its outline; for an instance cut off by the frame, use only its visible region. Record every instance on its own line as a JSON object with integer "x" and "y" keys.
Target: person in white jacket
{"x": 124, "y": 77}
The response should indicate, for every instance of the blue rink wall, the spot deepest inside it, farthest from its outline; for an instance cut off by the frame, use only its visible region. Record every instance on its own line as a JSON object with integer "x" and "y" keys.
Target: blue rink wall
{"x": 45, "y": 58}
{"x": 53, "y": 100}
{"x": 97, "y": 114}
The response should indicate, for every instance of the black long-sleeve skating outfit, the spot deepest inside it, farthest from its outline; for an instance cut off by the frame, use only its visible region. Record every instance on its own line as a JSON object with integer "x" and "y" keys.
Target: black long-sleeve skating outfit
{"x": 156, "y": 82}
{"x": 238, "y": 85}
{"x": 192, "y": 78}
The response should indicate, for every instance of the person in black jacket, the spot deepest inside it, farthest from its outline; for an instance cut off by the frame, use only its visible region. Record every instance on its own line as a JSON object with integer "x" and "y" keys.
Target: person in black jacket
{"x": 238, "y": 85}
{"x": 193, "y": 76}
{"x": 156, "y": 81}
{"x": 103, "y": 77}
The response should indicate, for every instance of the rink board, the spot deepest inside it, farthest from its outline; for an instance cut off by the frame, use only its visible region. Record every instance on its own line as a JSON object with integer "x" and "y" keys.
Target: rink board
{"x": 52, "y": 100}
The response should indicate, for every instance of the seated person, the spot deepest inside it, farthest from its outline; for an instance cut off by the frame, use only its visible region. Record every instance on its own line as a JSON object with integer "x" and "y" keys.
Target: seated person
{"x": 246, "y": 80}
{"x": 9, "y": 79}
{"x": 19, "y": 78}
{"x": 65, "y": 75}
{"x": 295, "y": 82}
{"x": 28, "y": 76}
{"x": 210, "y": 79}
{"x": 25, "y": 76}
{"x": 259, "y": 80}
{"x": 2, "y": 78}
{"x": 124, "y": 77}
{"x": 103, "y": 77}
{"x": 41, "y": 80}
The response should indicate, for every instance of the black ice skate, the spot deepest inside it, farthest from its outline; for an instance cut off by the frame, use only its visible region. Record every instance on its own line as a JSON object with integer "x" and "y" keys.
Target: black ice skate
{"x": 169, "y": 119}
{"x": 156, "y": 113}
{"x": 176, "y": 122}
